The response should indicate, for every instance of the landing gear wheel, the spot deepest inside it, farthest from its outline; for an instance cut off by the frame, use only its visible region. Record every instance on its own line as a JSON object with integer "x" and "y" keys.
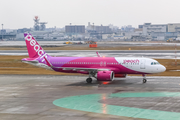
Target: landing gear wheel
{"x": 144, "y": 80}
{"x": 89, "y": 80}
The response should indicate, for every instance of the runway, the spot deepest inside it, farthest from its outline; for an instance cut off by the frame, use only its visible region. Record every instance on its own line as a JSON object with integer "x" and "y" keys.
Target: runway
{"x": 27, "y": 97}
{"x": 100, "y": 43}
{"x": 162, "y": 54}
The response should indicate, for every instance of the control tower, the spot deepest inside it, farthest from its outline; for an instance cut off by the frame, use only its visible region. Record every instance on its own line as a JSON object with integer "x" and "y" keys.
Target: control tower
{"x": 39, "y": 26}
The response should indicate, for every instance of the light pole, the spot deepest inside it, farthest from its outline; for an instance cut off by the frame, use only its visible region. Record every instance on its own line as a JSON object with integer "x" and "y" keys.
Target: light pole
{"x": 2, "y": 32}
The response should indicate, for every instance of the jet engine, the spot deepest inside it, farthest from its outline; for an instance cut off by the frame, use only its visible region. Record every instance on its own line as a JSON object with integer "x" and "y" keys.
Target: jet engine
{"x": 105, "y": 75}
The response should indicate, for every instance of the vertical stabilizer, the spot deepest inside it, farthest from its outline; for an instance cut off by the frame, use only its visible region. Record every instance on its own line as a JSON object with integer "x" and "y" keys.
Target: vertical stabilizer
{"x": 34, "y": 49}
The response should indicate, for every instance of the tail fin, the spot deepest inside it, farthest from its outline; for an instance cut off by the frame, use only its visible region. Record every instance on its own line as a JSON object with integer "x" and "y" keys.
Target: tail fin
{"x": 34, "y": 49}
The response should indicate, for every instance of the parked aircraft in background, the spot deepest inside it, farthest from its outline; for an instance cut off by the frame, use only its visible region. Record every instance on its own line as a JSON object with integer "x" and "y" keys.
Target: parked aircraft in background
{"x": 101, "y": 68}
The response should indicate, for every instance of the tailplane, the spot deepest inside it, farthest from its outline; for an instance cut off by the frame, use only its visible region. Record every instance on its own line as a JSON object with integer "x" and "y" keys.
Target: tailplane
{"x": 34, "y": 49}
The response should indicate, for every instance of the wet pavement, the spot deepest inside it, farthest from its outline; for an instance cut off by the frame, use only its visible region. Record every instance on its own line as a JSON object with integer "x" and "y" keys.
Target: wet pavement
{"x": 37, "y": 97}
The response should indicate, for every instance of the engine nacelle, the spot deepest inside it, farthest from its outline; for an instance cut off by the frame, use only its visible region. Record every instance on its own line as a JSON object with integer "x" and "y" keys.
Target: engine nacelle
{"x": 120, "y": 75}
{"x": 105, "y": 75}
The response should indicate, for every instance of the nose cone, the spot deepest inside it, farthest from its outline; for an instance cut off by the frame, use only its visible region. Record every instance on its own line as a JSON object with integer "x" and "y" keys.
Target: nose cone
{"x": 162, "y": 68}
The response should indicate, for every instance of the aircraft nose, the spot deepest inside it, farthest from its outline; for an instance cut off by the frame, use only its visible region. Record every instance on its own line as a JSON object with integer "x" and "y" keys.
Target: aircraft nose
{"x": 163, "y": 68}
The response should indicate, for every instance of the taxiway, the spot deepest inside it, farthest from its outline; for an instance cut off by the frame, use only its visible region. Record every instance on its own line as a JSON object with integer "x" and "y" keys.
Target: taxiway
{"x": 27, "y": 97}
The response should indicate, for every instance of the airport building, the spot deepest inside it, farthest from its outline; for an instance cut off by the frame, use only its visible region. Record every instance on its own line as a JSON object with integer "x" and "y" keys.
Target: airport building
{"x": 149, "y": 28}
{"x": 99, "y": 29}
{"x": 74, "y": 29}
{"x": 23, "y": 30}
{"x": 154, "y": 31}
{"x": 174, "y": 27}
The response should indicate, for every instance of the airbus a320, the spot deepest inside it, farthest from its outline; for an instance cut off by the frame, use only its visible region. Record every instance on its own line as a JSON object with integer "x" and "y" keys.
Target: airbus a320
{"x": 101, "y": 68}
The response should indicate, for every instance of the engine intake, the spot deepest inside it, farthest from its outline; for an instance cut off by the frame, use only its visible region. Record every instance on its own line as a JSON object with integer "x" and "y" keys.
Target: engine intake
{"x": 105, "y": 75}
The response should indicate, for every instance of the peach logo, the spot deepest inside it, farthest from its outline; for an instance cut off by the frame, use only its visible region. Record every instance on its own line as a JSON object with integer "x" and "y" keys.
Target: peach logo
{"x": 131, "y": 61}
{"x": 34, "y": 44}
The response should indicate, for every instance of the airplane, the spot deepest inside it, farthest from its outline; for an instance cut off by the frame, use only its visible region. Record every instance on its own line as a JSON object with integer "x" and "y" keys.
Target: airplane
{"x": 100, "y": 67}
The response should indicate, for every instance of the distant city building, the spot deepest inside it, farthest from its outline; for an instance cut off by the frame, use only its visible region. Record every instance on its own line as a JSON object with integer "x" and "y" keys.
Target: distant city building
{"x": 74, "y": 29}
{"x": 3, "y": 32}
{"x": 128, "y": 28}
{"x": 140, "y": 26}
{"x": 102, "y": 29}
{"x": 90, "y": 27}
{"x": 138, "y": 30}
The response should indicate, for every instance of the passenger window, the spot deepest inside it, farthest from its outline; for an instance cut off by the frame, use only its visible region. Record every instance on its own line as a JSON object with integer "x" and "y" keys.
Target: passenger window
{"x": 152, "y": 63}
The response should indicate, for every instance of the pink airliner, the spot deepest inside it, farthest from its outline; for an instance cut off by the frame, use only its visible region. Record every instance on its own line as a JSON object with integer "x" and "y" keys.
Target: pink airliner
{"x": 101, "y": 68}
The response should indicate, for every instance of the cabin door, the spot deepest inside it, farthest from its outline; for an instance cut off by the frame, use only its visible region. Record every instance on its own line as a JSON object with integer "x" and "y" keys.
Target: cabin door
{"x": 142, "y": 64}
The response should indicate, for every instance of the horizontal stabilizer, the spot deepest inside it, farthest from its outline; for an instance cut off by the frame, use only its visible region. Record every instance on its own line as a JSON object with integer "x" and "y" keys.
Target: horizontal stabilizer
{"x": 48, "y": 63}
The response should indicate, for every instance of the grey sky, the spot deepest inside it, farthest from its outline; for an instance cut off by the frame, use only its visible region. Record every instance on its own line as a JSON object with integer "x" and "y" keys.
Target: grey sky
{"x": 19, "y": 13}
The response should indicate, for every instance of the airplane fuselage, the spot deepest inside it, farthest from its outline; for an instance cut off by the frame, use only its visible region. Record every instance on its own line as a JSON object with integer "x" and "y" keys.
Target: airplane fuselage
{"x": 120, "y": 65}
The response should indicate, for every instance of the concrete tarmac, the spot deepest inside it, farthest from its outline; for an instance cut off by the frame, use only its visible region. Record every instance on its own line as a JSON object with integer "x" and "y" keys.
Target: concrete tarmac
{"x": 30, "y": 97}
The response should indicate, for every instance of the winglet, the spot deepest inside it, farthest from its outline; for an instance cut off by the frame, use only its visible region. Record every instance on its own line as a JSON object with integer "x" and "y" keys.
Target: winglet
{"x": 48, "y": 63}
{"x": 98, "y": 54}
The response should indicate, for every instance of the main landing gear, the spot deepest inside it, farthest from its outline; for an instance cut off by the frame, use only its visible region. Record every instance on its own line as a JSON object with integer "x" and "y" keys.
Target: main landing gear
{"x": 144, "y": 78}
{"x": 91, "y": 74}
{"x": 89, "y": 80}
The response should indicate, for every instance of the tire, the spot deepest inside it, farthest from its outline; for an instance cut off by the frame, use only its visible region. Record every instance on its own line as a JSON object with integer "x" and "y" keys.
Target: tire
{"x": 144, "y": 80}
{"x": 89, "y": 80}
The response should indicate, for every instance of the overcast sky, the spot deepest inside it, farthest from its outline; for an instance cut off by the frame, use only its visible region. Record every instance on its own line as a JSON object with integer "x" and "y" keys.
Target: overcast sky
{"x": 20, "y": 13}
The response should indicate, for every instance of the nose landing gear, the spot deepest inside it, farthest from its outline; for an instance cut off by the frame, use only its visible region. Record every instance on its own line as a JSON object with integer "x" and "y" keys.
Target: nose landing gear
{"x": 144, "y": 78}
